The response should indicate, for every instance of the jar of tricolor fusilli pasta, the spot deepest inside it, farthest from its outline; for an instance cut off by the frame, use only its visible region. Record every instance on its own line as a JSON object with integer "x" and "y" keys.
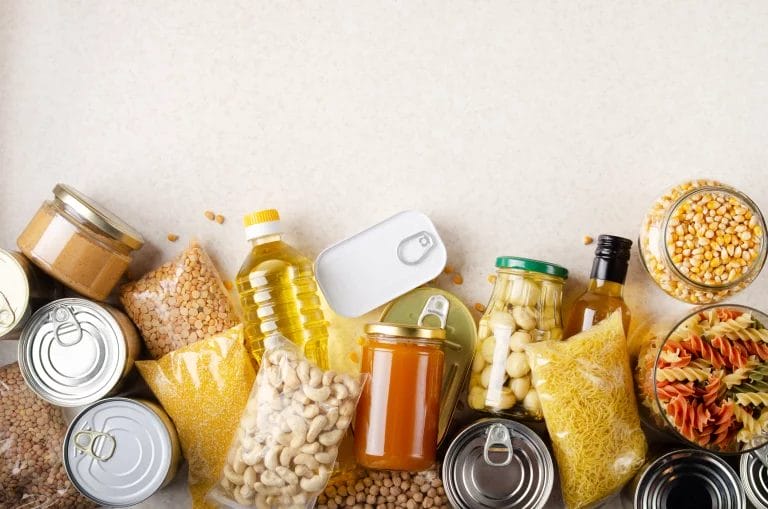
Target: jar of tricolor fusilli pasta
{"x": 703, "y": 241}
{"x": 710, "y": 379}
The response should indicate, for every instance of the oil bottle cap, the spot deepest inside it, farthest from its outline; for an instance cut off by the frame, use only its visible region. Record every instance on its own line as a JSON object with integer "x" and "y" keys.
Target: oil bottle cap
{"x": 262, "y": 222}
{"x": 611, "y": 259}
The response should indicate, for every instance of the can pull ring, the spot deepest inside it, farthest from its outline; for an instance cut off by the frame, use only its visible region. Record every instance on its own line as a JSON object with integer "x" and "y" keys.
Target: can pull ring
{"x": 498, "y": 435}
{"x": 414, "y": 248}
{"x": 66, "y": 329}
{"x": 7, "y": 316}
{"x": 97, "y": 444}
{"x": 437, "y": 306}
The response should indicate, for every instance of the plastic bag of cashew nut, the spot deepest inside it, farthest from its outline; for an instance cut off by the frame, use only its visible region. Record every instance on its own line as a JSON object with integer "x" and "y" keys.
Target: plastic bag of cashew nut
{"x": 285, "y": 447}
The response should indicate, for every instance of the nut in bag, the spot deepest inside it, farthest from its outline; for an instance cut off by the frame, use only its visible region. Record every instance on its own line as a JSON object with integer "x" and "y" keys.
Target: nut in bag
{"x": 285, "y": 448}
{"x": 180, "y": 302}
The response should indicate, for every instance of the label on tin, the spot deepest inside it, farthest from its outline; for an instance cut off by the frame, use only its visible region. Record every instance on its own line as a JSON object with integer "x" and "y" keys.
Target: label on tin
{"x": 118, "y": 452}
{"x": 72, "y": 352}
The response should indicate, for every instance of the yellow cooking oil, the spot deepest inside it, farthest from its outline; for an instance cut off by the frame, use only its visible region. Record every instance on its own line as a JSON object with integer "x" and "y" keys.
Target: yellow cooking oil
{"x": 278, "y": 291}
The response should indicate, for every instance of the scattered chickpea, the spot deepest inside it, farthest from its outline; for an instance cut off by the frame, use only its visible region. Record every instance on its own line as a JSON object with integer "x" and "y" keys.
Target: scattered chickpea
{"x": 172, "y": 237}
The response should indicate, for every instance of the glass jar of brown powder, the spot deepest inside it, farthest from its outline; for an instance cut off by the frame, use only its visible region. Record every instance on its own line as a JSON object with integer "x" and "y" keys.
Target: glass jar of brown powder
{"x": 80, "y": 243}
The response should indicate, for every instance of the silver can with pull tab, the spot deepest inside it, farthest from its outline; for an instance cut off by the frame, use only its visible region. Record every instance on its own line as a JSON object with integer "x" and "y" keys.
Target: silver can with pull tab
{"x": 498, "y": 463}
{"x": 23, "y": 289}
{"x": 73, "y": 351}
{"x": 119, "y": 451}
{"x": 753, "y": 468}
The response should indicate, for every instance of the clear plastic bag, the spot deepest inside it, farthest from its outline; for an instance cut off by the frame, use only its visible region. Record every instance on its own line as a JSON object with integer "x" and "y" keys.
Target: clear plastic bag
{"x": 180, "y": 302}
{"x": 587, "y": 397}
{"x": 285, "y": 448}
{"x": 31, "y": 435}
{"x": 204, "y": 388}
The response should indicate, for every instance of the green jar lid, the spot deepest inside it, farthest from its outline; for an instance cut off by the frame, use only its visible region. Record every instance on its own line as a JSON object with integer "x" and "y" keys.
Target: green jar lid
{"x": 516, "y": 262}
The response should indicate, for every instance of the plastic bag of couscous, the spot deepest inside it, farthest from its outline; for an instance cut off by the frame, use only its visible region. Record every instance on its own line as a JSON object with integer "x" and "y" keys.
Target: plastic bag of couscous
{"x": 204, "y": 387}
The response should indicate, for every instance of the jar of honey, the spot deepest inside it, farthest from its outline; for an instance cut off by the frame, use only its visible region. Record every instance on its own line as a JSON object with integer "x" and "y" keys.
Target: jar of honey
{"x": 397, "y": 417}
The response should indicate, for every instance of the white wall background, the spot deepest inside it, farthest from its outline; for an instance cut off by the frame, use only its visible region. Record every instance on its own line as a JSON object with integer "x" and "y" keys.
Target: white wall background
{"x": 517, "y": 126}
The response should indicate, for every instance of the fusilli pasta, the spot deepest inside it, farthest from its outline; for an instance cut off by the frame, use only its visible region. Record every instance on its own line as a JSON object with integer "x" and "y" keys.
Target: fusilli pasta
{"x": 752, "y": 398}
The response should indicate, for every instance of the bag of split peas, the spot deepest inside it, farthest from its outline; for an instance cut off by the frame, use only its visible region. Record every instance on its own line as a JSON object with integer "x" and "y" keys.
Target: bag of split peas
{"x": 285, "y": 447}
{"x": 587, "y": 397}
{"x": 203, "y": 387}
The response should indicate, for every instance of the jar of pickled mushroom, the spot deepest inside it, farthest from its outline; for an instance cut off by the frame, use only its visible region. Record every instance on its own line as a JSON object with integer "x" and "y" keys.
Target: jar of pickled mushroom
{"x": 703, "y": 241}
{"x": 397, "y": 418}
{"x": 525, "y": 306}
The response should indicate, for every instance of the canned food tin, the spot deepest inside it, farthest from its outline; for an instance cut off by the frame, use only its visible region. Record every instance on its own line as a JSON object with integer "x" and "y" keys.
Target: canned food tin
{"x": 73, "y": 351}
{"x": 23, "y": 289}
{"x": 685, "y": 478}
{"x": 120, "y": 451}
{"x": 754, "y": 478}
{"x": 498, "y": 463}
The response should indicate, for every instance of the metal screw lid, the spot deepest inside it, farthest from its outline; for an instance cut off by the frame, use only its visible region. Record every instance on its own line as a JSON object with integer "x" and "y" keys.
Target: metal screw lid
{"x": 99, "y": 217}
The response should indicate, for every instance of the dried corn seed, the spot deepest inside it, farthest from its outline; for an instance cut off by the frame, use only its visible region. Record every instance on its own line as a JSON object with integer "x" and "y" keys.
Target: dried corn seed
{"x": 172, "y": 237}
{"x": 457, "y": 279}
{"x": 228, "y": 285}
{"x": 219, "y": 218}
{"x": 448, "y": 269}
{"x": 492, "y": 278}
{"x": 479, "y": 307}
{"x": 587, "y": 240}
{"x": 209, "y": 215}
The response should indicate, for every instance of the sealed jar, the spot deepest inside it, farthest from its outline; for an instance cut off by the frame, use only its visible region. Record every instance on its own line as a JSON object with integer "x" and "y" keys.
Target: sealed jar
{"x": 685, "y": 478}
{"x": 498, "y": 463}
{"x": 707, "y": 381}
{"x": 703, "y": 241}
{"x": 397, "y": 418}
{"x": 23, "y": 289}
{"x": 525, "y": 306}
{"x": 119, "y": 451}
{"x": 80, "y": 243}
{"x": 73, "y": 352}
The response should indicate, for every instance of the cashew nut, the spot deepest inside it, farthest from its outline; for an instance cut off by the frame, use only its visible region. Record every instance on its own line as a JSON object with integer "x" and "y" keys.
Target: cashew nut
{"x": 238, "y": 465}
{"x": 306, "y": 459}
{"x": 340, "y": 391}
{"x": 284, "y": 439}
{"x": 241, "y": 499}
{"x": 287, "y": 475}
{"x": 290, "y": 379}
{"x": 327, "y": 457}
{"x": 310, "y": 411}
{"x": 271, "y": 457}
{"x": 317, "y": 482}
{"x": 331, "y": 437}
{"x": 343, "y": 422}
{"x": 315, "y": 376}
{"x": 250, "y": 476}
{"x": 286, "y": 455}
{"x": 271, "y": 478}
{"x": 310, "y": 448}
{"x": 347, "y": 408}
{"x": 302, "y": 371}
{"x": 232, "y": 476}
{"x": 332, "y": 416}
{"x": 247, "y": 491}
{"x": 315, "y": 427}
{"x": 353, "y": 385}
{"x": 328, "y": 378}
{"x": 318, "y": 394}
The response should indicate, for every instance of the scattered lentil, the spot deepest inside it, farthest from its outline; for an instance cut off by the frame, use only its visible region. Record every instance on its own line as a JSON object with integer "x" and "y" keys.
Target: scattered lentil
{"x": 180, "y": 302}
{"x": 31, "y": 434}
{"x": 172, "y": 237}
{"x": 209, "y": 215}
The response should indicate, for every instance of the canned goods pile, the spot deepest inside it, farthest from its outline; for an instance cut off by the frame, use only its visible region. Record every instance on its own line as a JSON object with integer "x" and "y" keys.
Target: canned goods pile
{"x": 439, "y": 411}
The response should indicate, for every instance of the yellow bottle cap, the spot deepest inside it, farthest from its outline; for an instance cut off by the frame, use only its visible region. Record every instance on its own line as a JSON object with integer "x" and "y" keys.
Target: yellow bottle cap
{"x": 261, "y": 216}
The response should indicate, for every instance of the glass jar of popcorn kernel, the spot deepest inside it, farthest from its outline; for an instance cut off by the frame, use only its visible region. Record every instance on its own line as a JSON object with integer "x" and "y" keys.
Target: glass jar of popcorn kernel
{"x": 703, "y": 241}
{"x": 525, "y": 306}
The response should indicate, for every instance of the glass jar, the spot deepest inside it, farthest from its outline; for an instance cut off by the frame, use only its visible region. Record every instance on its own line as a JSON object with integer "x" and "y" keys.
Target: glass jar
{"x": 396, "y": 423}
{"x": 703, "y": 241}
{"x": 79, "y": 243}
{"x": 525, "y": 306}
{"x": 707, "y": 381}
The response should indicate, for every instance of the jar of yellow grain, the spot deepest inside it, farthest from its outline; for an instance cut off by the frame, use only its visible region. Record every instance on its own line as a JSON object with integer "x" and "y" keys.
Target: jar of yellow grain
{"x": 703, "y": 241}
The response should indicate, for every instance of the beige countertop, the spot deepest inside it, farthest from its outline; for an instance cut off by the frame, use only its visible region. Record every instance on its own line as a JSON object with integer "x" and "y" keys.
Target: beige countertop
{"x": 517, "y": 127}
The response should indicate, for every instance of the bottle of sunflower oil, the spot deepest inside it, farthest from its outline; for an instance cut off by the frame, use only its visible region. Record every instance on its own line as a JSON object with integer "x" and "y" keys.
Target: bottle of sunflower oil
{"x": 278, "y": 291}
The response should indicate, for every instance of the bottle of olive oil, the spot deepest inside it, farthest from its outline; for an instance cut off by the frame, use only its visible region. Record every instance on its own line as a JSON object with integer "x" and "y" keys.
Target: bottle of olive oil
{"x": 605, "y": 292}
{"x": 278, "y": 291}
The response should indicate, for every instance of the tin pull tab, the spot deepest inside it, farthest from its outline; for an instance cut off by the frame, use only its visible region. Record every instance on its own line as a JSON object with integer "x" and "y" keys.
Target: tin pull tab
{"x": 97, "y": 444}
{"x": 7, "y": 316}
{"x": 437, "y": 306}
{"x": 414, "y": 248}
{"x": 66, "y": 328}
{"x": 498, "y": 435}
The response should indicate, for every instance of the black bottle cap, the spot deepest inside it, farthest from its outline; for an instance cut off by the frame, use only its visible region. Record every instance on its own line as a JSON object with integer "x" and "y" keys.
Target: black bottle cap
{"x": 611, "y": 259}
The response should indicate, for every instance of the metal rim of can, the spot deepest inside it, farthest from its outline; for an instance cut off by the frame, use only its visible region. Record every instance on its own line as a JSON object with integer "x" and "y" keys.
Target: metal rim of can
{"x": 754, "y": 479}
{"x": 14, "y": 294}
{"x": 72, "y": 352}
{"x": 527, "y": 467}
{"x": 651, "y": 487}
{"x": 152, "y": 428}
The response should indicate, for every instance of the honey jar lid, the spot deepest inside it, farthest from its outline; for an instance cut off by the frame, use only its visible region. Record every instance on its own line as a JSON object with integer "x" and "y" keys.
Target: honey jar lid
{"x": 404, "y": 330}
{"x": 98, "y": 216}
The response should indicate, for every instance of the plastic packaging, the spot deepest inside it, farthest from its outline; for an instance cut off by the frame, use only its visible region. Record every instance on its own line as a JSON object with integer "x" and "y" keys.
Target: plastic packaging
{"x": 31, "y": 434}
{"x": 525, "y": 306}
{"x": 203, "y": 387}
{"x": 284, "y": 450}
{"x": 586, "y": 393}
{"x": 180, "y": 302}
